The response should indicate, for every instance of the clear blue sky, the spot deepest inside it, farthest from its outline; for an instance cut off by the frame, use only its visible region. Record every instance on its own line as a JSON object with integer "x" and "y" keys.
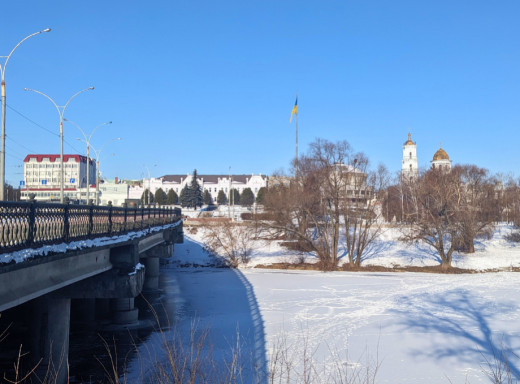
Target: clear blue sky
{"x": 211, "y": 84}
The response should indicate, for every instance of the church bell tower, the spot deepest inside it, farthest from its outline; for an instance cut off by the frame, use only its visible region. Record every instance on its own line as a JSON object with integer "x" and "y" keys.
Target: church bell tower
{"x": 409, "y": 167}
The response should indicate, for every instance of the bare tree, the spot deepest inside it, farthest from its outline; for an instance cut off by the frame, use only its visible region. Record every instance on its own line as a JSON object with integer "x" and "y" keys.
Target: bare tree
{"x": 307, "y": 208}
{"x": 508, "y": 198}
{"x": 231, "y": 241}
{"x": 361, "y": 213}
{"x": 477, "y": 205}
{"x": 437, "y": 194}
{"x": 331, "y": 191}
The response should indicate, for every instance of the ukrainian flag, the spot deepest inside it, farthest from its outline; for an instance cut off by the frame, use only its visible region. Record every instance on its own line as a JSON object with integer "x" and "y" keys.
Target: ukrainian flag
{"x": 295, "y": 109}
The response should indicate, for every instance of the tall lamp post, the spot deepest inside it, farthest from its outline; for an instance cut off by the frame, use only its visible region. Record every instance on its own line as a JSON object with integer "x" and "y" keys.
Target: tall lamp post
{"x": 87, "y": 141}
{"x": 98, "y": 154}
{"x": 61, "y": 111}
{"x": 2, "y": 73}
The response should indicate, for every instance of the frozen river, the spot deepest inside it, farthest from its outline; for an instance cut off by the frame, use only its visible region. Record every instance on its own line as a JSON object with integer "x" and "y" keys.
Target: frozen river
{"x": 415, "y": 327}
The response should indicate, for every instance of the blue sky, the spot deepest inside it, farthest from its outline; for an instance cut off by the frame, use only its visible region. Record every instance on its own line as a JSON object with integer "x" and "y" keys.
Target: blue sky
{"x": 210, "y": 85}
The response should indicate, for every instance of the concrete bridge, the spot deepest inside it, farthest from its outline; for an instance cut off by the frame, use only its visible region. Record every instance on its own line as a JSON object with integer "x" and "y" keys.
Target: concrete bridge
{"x": 104, "y": 273}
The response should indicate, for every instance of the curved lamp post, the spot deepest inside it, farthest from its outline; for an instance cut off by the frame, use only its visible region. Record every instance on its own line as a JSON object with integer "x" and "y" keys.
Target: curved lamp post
{"x": 61, "y": 111}
{"x": 87, "y": 141}
{"x": 98, "y": 154}
{"x": 2, "y": 73}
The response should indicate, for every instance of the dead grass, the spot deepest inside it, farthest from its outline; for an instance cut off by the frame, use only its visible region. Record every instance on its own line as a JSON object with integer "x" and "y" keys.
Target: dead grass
{"x": 376, "y": 268}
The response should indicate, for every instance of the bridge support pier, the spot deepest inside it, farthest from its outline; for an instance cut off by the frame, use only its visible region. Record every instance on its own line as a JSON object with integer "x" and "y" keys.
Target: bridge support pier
{"x": 124, "y": 312}
{"x": 151, "y": 276}
{"x": 50, "y": 337}
{"x": 151, "y": 263}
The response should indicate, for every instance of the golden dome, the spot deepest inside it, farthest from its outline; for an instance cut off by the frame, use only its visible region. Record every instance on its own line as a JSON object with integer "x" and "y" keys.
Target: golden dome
{"x": 409, "y": 141}
{"x": 440, "y": 155}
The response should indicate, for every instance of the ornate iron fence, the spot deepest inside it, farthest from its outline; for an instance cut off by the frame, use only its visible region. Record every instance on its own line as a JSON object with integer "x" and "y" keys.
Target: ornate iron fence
{"x": 33, "y": 224}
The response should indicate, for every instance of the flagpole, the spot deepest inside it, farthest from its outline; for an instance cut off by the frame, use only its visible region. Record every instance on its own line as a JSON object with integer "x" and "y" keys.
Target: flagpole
{"x": 296, "y": 143}
{"x": 295, "y": 112}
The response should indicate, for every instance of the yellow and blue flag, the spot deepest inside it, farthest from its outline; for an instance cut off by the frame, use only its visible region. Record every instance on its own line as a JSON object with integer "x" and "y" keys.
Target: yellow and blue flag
{"x": 295, "y": 109}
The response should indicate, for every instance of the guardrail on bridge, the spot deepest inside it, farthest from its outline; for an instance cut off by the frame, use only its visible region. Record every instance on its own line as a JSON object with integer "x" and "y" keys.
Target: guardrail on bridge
{"x": 32, "y": 224}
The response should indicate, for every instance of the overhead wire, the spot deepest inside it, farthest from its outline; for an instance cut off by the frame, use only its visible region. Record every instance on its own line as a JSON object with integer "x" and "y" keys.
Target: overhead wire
{"x": 41, "y": 127}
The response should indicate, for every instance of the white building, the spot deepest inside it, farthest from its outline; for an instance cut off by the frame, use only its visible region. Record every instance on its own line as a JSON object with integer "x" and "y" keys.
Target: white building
{"x": 212, "y": 183}
{"x": 409, "y": 168}
{"x": 113, "y": 191}
{"x": 42, "y": 177}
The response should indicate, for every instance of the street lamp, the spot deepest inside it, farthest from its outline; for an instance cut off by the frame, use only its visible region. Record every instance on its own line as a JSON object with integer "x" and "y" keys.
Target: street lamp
{"x": 146, "y": 196}
{"x": 87, "y": 141}
{"x": 61, "y": 112}
{"x": 2, "y": 73}
{"x": 98, "y": 154}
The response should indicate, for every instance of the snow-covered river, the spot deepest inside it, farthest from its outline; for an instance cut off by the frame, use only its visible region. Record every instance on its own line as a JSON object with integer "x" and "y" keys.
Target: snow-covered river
{"x": 418, "y": 328}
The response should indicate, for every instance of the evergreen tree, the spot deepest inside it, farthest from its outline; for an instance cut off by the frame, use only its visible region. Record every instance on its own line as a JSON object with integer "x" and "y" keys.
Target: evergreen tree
{"x": 171, "y": 197}
{"x": 147, "y": 197}
{"x": 235, "y": 197}
{"x": 221, "y": 198}
{"x": 160, "y": 196}
{"x": 247, "y": 198}
{"x": 184, "y": 197}
{"x": 195, "y": 193}
{"x": 260, "y": 196}
{"x": 207, "y": 197}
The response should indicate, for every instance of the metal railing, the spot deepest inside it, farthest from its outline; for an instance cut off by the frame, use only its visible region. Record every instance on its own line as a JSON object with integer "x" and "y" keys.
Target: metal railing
{"x": 33, "y": 224}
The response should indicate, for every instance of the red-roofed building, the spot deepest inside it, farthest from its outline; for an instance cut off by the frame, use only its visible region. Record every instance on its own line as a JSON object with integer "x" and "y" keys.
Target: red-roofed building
{"x": 42, "y": 177}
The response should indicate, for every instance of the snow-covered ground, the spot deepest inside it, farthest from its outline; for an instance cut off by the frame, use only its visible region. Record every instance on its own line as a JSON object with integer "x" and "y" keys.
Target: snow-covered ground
{"x": 420, "y": 328}
{"x": 495, "y": 253}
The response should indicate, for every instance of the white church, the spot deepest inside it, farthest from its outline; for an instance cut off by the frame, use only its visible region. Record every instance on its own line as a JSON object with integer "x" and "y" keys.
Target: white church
{"x": 409, "y": 166}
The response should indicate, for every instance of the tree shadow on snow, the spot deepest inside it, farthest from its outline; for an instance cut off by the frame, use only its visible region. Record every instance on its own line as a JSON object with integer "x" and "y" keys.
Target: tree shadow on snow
{"x": 462, "y": 326}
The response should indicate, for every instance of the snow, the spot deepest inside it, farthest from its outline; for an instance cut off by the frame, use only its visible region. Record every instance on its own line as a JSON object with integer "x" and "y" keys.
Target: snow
{"x": 388, "y": 251}
{"x": 419, "y": 327}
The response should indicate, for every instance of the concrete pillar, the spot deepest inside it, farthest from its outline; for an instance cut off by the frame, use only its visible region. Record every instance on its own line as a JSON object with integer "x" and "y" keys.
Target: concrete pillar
{"x": 151, "y": 276}
{"x": 50, "y": 325}
{"x": 124, "y": 312}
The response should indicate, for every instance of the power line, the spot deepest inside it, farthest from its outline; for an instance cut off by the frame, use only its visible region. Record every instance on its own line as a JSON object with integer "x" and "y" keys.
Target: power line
{"x": 41, "y": 127}
{"x": 33, "y": 122}
{"x": 21, "y": 145}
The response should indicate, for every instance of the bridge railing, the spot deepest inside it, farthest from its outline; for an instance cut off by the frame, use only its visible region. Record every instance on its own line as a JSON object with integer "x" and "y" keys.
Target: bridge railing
{"x": 33, "y": 224}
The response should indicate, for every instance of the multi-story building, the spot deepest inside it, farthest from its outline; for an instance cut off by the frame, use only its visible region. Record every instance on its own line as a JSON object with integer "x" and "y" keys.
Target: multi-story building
{"x": 42, "y": 176}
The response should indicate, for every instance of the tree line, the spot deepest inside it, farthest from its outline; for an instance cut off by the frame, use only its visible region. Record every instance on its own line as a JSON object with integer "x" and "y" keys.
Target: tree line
{"x": 332, "y": 194}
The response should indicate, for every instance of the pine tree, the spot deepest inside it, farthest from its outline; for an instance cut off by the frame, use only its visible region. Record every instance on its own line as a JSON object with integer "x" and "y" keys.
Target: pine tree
{"x": 260, "y": 196}
{"x": 171, "y": 197}
{"x": 195, "y": 195}
{"x": 221, "y": 198}
{"x": 184, "y": 197}
{"x": 160, "y": 196}
{"x": 147, "y": 197}
{"x": 208, "y": 200}
{"x": 235, "y": 197}
{"x": 247, "y": 198}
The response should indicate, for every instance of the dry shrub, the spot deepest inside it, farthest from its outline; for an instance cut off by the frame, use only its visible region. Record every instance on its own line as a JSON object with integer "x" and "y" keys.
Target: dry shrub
{"x": 513, "y": 237}
{"x": 231, "y": 241}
